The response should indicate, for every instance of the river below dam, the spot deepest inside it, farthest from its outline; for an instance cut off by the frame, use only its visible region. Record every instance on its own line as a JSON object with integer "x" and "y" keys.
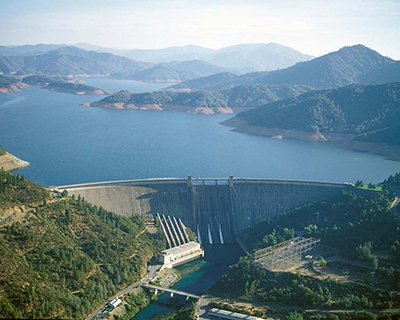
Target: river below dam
{"x": 197, "y": 276}
{"x": 66, "y": 143}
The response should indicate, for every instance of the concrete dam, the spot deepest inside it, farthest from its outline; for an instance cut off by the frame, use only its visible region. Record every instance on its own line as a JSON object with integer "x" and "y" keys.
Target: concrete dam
{"x": 215, "y": 209}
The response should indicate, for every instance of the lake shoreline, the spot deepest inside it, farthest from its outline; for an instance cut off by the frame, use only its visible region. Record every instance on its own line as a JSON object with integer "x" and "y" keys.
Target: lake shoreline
{"x": 159, "y": 107}
{"x": 13, "y": 87}
{"x": 10, "y": 162}
{"x": 345, "y": 141}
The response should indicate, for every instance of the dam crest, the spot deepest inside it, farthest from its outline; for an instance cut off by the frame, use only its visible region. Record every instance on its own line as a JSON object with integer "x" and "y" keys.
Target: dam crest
{"x": 216, "y": 209}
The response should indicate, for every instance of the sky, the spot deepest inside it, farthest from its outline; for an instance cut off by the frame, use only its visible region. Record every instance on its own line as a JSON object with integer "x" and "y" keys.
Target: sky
{"x": 314, "y": 27}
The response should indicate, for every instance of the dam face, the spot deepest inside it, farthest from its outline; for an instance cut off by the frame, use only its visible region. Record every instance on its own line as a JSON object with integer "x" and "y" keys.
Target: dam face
{"x": 215, "y": 209}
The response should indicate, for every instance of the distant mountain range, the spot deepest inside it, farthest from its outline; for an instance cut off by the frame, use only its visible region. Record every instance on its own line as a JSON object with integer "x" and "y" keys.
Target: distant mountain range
{"x": 239, "y": 58}
{"x": 72, "y": 61}
{"x": 356, "y": 64}
{"x": 370, "y": 113}
{"x": 177, "y": 71}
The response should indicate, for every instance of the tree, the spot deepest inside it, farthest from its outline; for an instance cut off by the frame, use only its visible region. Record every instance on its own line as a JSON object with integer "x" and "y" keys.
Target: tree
{"x": 294, "y": 315}
{"x": 359, "y": 183}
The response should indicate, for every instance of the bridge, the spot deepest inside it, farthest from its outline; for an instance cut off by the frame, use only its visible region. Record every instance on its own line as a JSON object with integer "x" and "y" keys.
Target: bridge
{"x": 171, "y": 291}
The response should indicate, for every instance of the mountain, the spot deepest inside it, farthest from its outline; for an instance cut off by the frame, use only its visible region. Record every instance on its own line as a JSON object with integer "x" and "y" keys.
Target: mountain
{"x": 240, "y": 58}
{"x": 176, "y": 71}
{"x": 9, "y": 84}
{"x": 258, "y": 57}
{"x": 214, "y": 82}
{"x": 371, "y": 112}
{"x": 67, "y": 61}
{"x": 203, "y": 102}
{"x": 335, "y": 69}
{"x": 61, "y": 256}
{"x": 28, "y": 50}
{"x": 345, "y": 66}
{"x": 185, "y": 53}
{"x": 197, "y": 67}
{"x": 158, "y": 74}
{"x": 72, "y": 61}
{"x": 388, "y": 73}
{"x": 63, "y": 85}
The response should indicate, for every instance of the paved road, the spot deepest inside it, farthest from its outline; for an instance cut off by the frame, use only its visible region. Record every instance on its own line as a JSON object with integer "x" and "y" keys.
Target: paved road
{"x": 154, "y": 269}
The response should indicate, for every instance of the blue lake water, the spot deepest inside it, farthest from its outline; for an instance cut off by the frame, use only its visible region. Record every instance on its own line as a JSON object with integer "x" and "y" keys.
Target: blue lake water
{"x": 66, "y": 143}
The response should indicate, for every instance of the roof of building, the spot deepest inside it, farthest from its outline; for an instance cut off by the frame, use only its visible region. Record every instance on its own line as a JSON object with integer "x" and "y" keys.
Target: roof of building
{"x": 231, "y": 315}
{"x": 182, "y": 248}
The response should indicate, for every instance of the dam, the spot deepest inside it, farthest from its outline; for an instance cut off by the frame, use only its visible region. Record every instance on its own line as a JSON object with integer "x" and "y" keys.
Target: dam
{"x": 216, "y": 209}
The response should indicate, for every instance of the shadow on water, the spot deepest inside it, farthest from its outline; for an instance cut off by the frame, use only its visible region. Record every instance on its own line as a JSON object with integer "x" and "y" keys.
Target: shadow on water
{"x": 197, "y": 277}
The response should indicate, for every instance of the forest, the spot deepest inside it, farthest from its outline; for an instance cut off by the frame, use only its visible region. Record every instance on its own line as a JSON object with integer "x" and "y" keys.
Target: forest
{"x": 66, "y": 255}
{"x": 359, "y": 228}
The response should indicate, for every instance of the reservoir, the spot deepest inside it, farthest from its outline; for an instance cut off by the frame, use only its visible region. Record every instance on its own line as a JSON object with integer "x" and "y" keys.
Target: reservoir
{"x": 66, "y": 143}
{"x": 69, "y": 144}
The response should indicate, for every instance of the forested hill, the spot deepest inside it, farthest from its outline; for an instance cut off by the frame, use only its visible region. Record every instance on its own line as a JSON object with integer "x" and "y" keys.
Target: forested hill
{"x": 363, "y": 230}
{"x": 370, "y": 111}
{"x": 60, "y": 257}
{"x": 9, "y": 84}
{"x": 349, "y": 65}
{"x": 71, "y": 61}
{"x": 208, "y": 102}
{"x": 63, "y": 85}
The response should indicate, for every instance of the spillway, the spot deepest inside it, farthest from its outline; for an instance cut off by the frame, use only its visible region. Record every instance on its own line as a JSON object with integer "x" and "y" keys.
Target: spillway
{"x": 210, "y": 207}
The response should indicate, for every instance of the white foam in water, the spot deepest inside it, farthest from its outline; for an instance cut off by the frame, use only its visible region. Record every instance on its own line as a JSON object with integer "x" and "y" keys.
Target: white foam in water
{"x": 221, "y": 238}
{"x": 198, "y": 234}
{"x": 209, "y": 235}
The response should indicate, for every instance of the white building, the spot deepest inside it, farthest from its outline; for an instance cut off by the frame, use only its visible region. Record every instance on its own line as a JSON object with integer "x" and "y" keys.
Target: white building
{"x": 114, "y": 303}
{"x": 181, "y": 254}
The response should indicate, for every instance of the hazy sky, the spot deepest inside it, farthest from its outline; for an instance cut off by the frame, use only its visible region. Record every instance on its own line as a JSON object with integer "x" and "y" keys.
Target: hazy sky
{"x": 310, "y": 26}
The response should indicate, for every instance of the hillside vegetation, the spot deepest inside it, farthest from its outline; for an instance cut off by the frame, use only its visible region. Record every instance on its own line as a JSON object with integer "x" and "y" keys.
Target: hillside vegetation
{"x": 66, "y": 255}
{"x": 349, "y": 65}
{"x": 9, "y": 84}
{"x": 236, "y": 99}
{"x": 242, "y": 57}
{"x": 70, "y": 61}
{"x": 362, "y": 229}
{"x": 371, "y": 112}
{"x": 63, "y": 85}
{"x": 73, "y": 61}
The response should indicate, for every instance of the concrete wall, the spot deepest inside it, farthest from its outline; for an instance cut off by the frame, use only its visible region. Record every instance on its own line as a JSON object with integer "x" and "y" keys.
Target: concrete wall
{"x": 214, "y": 208}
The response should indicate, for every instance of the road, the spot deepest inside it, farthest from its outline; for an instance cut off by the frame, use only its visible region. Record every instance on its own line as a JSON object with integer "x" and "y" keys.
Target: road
{"x": 153, "y": 272}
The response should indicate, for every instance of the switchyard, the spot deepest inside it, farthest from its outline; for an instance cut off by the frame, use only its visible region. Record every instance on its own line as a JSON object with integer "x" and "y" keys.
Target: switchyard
{"x": 285, "y": 255}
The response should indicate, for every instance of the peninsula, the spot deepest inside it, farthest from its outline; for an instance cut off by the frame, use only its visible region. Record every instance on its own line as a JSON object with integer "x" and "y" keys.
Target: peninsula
{"x": 65, "y": 85}
{"x": 9, "y": 162}
{"x": 226, "y": 101}
{"x": 8, "y": 84}
{"x": 358, "y": 117}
